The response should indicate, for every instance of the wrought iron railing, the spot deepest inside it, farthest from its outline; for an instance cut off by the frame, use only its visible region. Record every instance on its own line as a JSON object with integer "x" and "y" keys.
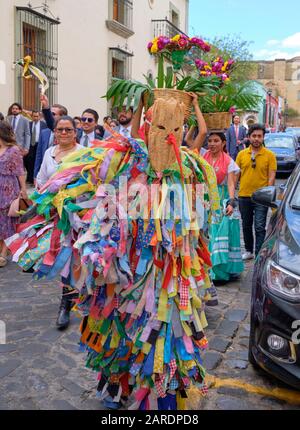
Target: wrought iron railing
{"x": 122, "y": 11}
{"x": 164, "y": 27}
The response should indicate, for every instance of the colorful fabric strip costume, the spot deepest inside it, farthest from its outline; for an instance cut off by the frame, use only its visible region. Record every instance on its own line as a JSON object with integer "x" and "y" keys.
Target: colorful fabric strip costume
{"x": 129, "y": 240}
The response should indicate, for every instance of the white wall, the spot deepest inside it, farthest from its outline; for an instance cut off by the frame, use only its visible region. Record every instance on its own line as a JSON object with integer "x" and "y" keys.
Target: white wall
{"x": 86, "y": 59}
{"x": 8, "y": 46}
{"x": 83, "y": 44}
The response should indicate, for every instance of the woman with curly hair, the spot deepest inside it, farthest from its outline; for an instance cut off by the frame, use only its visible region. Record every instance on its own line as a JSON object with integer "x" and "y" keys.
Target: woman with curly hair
{"x": 12, "y": 184}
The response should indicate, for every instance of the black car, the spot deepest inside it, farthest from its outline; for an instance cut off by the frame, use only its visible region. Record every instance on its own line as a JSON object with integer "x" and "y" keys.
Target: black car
{"x": 275, "y": 304}
{"x": 286, "y": 148}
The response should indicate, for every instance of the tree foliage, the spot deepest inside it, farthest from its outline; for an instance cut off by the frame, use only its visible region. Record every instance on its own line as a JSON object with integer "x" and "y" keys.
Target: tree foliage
{"x": 292, "y": 113}
{"x": 231, "y": 46}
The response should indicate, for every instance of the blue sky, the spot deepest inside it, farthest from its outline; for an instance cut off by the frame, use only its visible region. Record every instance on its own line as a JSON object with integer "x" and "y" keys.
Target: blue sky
{"x": 272, "y": 25}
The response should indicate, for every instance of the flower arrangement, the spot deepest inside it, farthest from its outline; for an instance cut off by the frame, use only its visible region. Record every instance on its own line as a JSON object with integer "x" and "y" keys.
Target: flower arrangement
{"x": 218, "y": 67}
{"x": 177, "y": 43}
{"x": 174, "y": 50}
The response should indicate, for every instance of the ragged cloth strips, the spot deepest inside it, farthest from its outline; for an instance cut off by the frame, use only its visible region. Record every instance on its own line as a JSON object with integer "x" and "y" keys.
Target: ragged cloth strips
{"x": 143, "y": 276}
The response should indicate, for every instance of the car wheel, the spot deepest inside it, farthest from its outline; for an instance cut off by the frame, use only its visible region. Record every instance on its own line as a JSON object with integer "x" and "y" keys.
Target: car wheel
{"x": 251, "y": 358}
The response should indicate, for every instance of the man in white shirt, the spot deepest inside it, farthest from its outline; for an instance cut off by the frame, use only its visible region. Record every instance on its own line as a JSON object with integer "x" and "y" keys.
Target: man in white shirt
{"x": 88, "y": 133}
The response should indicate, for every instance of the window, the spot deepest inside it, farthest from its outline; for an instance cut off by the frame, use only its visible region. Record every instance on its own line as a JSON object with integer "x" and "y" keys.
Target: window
{"x": 174, "y": 16}
{"x": 120, "y": 17}
{"x": 120, "y": 64}
{"x": 261, "y": 72}
{"x": 119, "y": 67}
{"x": 175, "y": 19}
{"x": 36, "y": 35}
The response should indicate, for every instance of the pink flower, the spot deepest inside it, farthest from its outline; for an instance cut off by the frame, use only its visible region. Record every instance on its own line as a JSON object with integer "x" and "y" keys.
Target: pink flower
{"x": 232, "y": 110}
{"x": 160, "y": 45}
{"x": 150, "y": 44}
{"x": 200, "y": 64}
{"x": 217, "y": 67}
{"x": 183, "y": 42}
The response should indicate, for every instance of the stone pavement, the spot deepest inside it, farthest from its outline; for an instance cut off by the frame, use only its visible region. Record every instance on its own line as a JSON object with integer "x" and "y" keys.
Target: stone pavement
{"x": 41, "y": 368}
{"x": 227, "y": 357}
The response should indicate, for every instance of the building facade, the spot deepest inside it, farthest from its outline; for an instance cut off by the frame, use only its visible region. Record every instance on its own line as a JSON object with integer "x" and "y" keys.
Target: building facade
{"x": 81, "y": 46}
{"x": 281, "y": 78}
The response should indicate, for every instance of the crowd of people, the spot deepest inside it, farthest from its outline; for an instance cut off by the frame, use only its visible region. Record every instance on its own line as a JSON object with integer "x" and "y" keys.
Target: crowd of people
{"x": 234, "y": 159}
{"x": 51, "y": 135}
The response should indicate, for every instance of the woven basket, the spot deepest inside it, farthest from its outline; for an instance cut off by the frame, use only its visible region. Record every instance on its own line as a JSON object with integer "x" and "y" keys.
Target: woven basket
{"x": 181, "y": 96}
{"x": 218, "y": 120}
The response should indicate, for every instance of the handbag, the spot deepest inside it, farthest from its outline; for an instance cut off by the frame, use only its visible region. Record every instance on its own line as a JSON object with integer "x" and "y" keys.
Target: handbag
{"x": 18, "y": 205}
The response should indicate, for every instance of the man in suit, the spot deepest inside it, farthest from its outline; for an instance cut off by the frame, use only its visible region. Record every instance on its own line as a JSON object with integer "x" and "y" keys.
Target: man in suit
{"x": 47, "y": 135}
{"x": 235, "y": 136}
{"x": 90, "y": 130}
{"x": 20, "y": 126}
{"x": 36, "y": 127}
{"x": 125, "y": 118}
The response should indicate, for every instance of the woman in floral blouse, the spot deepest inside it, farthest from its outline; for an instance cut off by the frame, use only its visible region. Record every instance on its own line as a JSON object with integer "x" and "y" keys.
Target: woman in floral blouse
{"x": 12, "y": 184}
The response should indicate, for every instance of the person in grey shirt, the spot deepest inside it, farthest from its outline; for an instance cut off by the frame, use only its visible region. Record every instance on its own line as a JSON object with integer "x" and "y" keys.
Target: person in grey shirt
{"x": 20, "y": 126}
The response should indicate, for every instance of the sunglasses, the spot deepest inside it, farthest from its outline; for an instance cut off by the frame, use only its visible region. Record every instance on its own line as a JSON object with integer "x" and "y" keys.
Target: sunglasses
{"x": 89, "y": 120}
{"x": 66, "y": 129}
{"x": 253, "y": 162}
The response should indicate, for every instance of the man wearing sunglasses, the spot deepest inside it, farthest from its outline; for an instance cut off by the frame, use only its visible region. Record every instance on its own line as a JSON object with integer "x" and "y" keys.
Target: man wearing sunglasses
{"x": 258, "y": 169}
{"x": 90, "y": 130}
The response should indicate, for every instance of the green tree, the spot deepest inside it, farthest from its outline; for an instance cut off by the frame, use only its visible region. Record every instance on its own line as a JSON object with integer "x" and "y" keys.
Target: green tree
{"x": 231, "y": 46}
{"x": 292, "y": 113}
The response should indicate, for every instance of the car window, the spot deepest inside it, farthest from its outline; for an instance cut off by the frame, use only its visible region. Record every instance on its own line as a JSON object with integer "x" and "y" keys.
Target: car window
{"x": 279, "y": 142}
{"x": 295, "y": 200}
{"x": 295, "y": 131}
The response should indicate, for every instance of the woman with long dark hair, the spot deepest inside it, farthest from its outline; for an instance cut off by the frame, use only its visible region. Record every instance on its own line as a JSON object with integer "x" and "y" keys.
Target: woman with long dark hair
{"x": 225, "y": 230}
{"x": 12, "y": 184}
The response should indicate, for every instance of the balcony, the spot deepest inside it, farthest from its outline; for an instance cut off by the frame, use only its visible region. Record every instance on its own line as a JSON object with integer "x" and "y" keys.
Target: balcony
{"x": 120, "y": 18}
{"x": 164, "y": 27}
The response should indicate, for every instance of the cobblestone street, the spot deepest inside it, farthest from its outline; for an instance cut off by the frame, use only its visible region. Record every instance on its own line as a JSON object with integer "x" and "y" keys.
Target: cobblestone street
{"x": 40, "y": 367}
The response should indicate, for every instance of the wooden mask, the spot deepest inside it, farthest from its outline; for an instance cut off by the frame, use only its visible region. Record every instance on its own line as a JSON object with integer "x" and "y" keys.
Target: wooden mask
{"x": 167, "y": 119}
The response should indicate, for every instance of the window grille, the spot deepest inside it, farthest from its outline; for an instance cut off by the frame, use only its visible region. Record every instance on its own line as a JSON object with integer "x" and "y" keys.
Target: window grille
{"x": 37, "y": 36}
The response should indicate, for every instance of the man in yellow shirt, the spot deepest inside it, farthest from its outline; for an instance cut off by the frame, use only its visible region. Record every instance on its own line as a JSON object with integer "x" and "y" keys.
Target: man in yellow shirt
{"x": 258, "y": 169}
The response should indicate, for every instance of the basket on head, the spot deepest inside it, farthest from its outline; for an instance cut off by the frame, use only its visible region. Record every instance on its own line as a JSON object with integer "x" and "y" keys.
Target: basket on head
{"x": 182, "y": 96}
{"x": 218, "y": 120}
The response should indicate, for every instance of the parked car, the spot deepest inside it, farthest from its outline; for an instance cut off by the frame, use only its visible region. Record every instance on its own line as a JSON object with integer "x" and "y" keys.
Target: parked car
{"x": 286, "y": 148}
{"x": 295, "y": 131}
{"x": 274, "y": 343}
